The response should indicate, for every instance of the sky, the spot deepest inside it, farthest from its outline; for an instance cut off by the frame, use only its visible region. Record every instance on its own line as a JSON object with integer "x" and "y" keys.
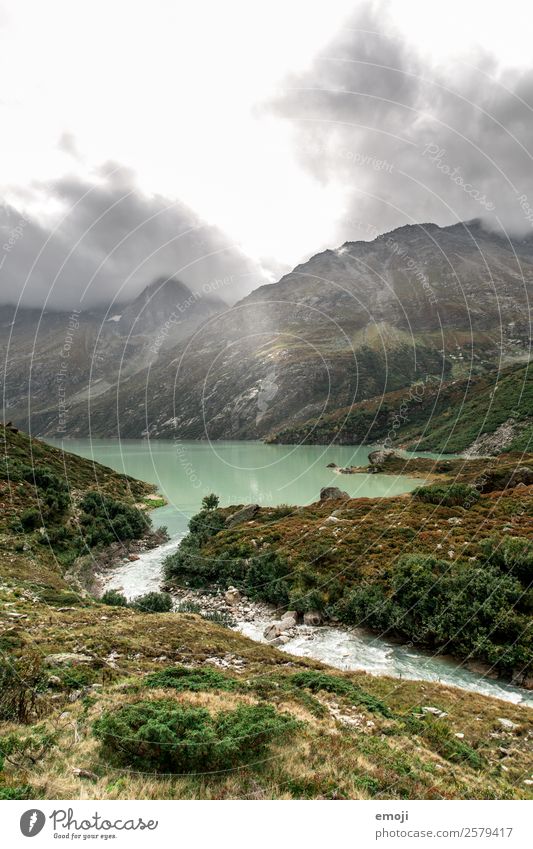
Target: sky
{"x": 233, "y": 140}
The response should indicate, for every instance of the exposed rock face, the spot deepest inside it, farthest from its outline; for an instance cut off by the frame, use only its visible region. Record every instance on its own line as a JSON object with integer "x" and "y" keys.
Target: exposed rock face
{"x": 243, "y": 515}
{"x": 333, "y": 493}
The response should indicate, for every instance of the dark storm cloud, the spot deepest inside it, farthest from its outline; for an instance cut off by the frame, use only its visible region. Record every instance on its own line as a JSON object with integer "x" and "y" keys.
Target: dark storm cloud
{"x": 111, "y": 241}
{"x": 411, "y": 143}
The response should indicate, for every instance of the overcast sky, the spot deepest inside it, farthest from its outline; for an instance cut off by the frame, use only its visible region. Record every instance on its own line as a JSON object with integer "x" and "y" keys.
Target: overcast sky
{"x": 236, "y": 139}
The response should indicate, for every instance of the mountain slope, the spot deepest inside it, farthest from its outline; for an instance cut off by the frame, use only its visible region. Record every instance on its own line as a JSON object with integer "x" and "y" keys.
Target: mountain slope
{"x": 52, "y": 360}
{"x": 371, "y": 317}
{"x": 485, "y": 414}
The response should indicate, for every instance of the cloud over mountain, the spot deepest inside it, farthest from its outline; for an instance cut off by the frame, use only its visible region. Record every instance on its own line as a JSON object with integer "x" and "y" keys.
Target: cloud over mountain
{"x": 412, "y": 141}
{"x": 104, "y": 239}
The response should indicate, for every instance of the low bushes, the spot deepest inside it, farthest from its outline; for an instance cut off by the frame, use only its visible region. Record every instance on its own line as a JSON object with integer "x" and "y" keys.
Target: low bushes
{"x": 21, "y": 681}
{"x": 104, "y": 520}
{"x": 467, "y": 609}
{"x": 453, "y": 495}
{"x": 153, "y": 603}
{"x": 316, "y": 681}
{"x": 180, "y": 678}
{"x": 164, "y": 736}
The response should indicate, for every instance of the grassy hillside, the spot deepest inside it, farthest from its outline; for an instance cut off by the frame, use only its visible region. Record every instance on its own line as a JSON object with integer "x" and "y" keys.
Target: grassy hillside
{"x": 99, "y": 701}
{"x": 446, "y": 417}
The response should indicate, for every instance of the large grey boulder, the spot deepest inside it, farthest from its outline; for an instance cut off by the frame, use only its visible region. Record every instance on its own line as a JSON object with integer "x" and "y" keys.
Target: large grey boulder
{"x": 243, "y": 515}
{"x": 276, "y": 629}
{"x": 333, "y": 493}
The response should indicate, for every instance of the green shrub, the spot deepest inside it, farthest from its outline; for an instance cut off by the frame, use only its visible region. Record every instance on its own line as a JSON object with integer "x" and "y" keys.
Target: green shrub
{"x": 22, "y": 791}
{"x": 265, "y": 578}
{"x": 21, "y": 681}
{"x": 452, "y": 495}
{"x": 441, "y": 739}
{"x": 510, "y": 554}
{"x": 114, "y": 598}
{"x": 53, "y": 491}
{"x": 196, "y": 680}
{"x": 30, "y": 519}
{"x": 105, "y": 520}
{"x": 316, "y": 681}
{"x": 164, "y": 736}
{"x": 153, "y": 602}
{"x": 210, "y": 502}
{"x": 23, "y": 752}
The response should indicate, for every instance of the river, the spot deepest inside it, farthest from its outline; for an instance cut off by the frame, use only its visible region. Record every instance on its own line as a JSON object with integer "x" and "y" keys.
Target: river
{"x": 243, "y": 472}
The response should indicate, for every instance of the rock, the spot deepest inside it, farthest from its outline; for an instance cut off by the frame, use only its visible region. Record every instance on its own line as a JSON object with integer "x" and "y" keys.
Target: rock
{"x": 232, "y": 595}
{"x": 455, "y": 520}
{"x": 67, "y": 659}
{"x": 377, "y": 458}
{"x": 333, "y": 493}
{"x": 312, "y": 617}
{"x": 507, "y": 723}
{"x": 85, "y": 773}
{"x": 459, "y": 735}
{"x": 133, "y": 557}
{"x": 276, "y": 629}
{"x": 434, "y": 711}
{"x": 54, "y": 681}
{"x": 332, "y": 466}
{"x": 290, "y": 616}
{"x": 243, "y": 515}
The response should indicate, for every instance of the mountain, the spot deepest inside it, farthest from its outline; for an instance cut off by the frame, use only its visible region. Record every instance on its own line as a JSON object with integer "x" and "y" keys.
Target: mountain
{"x": 52, "y": 359}
{"x": 419, "y": 303}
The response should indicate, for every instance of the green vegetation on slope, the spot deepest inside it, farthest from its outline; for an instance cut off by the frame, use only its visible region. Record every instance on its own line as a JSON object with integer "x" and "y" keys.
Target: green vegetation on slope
{"x": 446, "y": 417}
{"x": 456, "y": 592}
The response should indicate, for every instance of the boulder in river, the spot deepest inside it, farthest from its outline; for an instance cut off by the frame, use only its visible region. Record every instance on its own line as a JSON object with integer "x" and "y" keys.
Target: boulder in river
{"x": 276, "y": 629}
{"x": 290, "y": 616}
{"x": 312, "y": 617}
{"x": 333, "y": 493}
